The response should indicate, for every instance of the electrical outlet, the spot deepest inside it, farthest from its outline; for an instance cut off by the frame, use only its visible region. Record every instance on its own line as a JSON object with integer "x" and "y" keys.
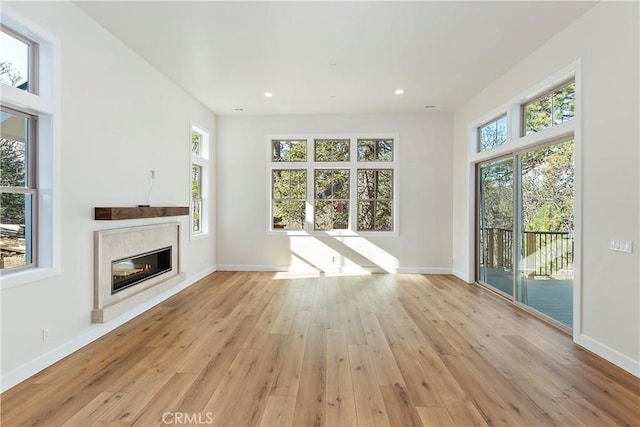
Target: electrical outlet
{"x": 46, "y": 334}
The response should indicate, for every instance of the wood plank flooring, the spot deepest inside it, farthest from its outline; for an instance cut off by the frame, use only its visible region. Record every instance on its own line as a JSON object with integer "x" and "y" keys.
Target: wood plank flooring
{"x": 255, "y": 349}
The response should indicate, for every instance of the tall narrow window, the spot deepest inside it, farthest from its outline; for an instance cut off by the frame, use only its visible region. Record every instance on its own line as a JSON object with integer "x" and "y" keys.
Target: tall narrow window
{"x": 18, "y": 154}
{"x": 199, "y": 182}
{"x": 331, "y": 204}
{"x": 289, "y": 193}
{"x": 375, "y": 199}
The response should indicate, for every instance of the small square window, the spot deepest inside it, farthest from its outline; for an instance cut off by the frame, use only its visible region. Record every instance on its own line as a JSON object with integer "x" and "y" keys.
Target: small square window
{"x": 551, "y": 109}
{"x": 375, "y": 150}
{"x": 16, "y": 63}
{"x": 332, "y": 150}
{"x": 289, "y": 150}
{"x": 493, "y": 134}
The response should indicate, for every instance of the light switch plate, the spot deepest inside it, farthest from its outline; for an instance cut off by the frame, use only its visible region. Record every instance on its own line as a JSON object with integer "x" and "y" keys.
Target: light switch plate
{"x": 621, "y": 246}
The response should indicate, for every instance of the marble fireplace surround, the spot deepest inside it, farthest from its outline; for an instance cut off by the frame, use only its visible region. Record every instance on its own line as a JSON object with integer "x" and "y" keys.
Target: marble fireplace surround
{"x": 118, "y": 243}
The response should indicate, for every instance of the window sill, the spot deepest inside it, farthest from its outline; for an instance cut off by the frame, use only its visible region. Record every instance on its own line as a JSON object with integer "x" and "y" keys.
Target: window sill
{"x": 11, "y": 279}
{"x": 199, "y": 236}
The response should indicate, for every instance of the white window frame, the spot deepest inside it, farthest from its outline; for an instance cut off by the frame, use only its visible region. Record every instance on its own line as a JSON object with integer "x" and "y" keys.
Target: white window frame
{"x": 353, "y": 165}
{"x": 202, "y": 160}
{"x": 44, "y": 104}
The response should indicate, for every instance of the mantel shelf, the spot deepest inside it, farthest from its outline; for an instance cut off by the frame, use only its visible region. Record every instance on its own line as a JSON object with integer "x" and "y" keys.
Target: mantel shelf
{"x": 119, "y": 213}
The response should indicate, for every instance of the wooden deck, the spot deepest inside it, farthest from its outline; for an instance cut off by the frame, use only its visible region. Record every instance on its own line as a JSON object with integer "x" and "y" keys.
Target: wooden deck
{"x": 243, "y": 349}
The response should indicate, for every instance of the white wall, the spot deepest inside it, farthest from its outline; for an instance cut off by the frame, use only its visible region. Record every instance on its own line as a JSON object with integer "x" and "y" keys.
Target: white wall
{"x": 606, "y": 40}
{"x": 119, "y": 119}
{"x": 424, "y": 242}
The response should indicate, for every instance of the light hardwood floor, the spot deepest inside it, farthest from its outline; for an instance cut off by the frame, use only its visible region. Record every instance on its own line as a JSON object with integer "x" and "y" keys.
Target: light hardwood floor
{"x": 244, "y": 349}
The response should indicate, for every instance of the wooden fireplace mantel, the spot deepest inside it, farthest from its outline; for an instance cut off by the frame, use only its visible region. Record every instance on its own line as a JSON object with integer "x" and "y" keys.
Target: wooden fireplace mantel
{"x": 118, "y": 213}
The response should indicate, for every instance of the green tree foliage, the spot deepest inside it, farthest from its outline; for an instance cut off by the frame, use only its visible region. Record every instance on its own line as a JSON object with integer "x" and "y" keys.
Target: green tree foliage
{"x": 375, "y": 200}
{"x": 289, "y": 198}
{"x": 548, "y": 188}
{"x": 331, "y": 210}
{"x": 552, "y": 109}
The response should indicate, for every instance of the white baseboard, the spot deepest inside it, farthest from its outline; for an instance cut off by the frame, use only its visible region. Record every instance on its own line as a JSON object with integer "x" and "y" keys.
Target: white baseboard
{"x": 331, "y": 269}
{"x": 97, "y": 330}
{"x": 607, "y": 353}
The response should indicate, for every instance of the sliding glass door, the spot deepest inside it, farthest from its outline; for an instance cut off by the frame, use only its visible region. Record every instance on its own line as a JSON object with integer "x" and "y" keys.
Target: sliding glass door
{"x": 525, "y": 229}
{"x": 544, "y": 279}
{"x": 495, "y": 219}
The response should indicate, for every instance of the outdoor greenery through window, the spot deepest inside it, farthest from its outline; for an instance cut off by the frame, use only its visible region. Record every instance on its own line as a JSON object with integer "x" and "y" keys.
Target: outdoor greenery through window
{"x": 199, "y": 174}
{"x": 290, "y": 151}
{"x": 18, "y": 155}
{"x": 18, "y": 196}
{"x": 552, "y": 109}
{"x": 323, "y": 189}
{"x": 375, "y": 199}
{"x": 331, "y": 204}
{"x": 375, "y": 150}
{"x": 289, "y": 189}
{"x": 493, "y": 134}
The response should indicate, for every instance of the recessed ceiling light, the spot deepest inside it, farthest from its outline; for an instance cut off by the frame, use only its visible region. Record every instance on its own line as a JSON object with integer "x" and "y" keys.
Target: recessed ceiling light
{"x": 268, "y": 94}
{"x": 399, "y": 92}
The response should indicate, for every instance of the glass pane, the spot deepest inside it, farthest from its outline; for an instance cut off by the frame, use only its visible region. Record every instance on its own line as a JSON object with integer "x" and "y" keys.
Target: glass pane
{"x": 196, "y": 181}
{"x": 375, "y": 184}
{"x": 289, "y": 184}
{"x": 196, "y": 140}
{"x": 375, "y": 150}
{"x": 496, "y": 225}
{"x": 289, "y": 214}
{"x": 384, "y": 216}
{"x": 366, "y": 214}
{"x": 289, "y": 150}
{"x": 493, "y": 134}
{"x": 331, "y": 214}
{"x": 16, "y": 211}
{"x": 545, "y": 264}
{"x": 14, "y": 134}
{"x": 197, "y": 215}
{"x": 550, "y": 110}
{"x": 564, "y": 105}
{"x": 332, "y": 183}
{"x": 14, "y": 61}
{"x": 332, "y": 150}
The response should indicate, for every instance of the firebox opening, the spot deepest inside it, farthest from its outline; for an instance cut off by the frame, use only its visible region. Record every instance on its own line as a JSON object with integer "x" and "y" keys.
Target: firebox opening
{"x": 129, "y": 271}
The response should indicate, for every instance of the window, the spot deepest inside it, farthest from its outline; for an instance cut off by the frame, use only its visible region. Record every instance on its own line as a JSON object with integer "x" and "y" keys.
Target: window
{"x": 199, "y": 182}
{"x": 551, "y": 109}
{"x": 19, "y": 193}
{"x": 336, "y": 185}
{"x": 492, "y": 134}
{"x": 375, "y": 199}
{"x": 18, "y": 60}
{"x": 19, "y": 157}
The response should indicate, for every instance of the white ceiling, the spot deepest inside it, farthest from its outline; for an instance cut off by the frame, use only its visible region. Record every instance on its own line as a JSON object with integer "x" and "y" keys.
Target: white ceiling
{"x": 333, "y": 57}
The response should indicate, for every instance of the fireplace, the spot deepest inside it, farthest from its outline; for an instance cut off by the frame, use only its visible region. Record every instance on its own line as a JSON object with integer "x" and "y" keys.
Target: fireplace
{"x": 133, "y": 265}
{"x": 130, "y": 271}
